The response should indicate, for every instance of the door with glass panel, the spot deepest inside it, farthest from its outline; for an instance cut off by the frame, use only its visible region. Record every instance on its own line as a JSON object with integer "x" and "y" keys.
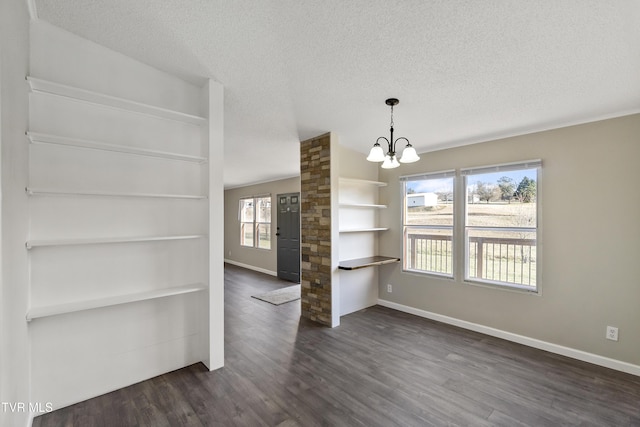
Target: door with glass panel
{"x": 288, "y": 234}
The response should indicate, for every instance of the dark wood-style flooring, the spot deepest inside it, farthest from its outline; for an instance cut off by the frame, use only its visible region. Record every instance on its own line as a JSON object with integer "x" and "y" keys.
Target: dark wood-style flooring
{"x": 379, "y": 368}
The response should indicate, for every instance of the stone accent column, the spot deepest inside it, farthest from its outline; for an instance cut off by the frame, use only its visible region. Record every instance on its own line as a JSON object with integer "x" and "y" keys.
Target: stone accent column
{"x": 315, "y": 233}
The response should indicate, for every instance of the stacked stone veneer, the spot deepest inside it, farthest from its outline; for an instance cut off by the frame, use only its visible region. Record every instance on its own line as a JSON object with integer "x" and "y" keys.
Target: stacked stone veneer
{"x": 315, "y": 224}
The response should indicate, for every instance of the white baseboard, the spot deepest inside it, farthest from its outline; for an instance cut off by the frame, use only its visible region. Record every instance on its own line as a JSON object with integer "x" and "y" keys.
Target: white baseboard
{"x": 520, "y": 339}
{"x": 251, "y": 267}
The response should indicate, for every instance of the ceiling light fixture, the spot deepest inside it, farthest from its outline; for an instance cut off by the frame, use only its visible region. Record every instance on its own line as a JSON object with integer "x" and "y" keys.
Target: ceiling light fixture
{"x": 389, "y": 160}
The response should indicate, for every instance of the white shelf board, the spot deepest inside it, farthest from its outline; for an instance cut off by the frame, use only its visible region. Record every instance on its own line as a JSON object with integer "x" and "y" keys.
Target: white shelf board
{"x": 101, "y": 241}
{"x": 362, "y": 205}
{"x": 45, "y": 86}
{"x": 40, "y": 138}
{"x": 363, "y": 181}
{"x": 43, "y": 192}
{"x": 52, "y": 310}
{"x": 363, "y": 230}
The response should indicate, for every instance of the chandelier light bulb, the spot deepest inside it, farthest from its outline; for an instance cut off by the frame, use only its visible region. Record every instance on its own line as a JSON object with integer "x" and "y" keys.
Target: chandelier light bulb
{"x": 376, "y": 154}
{"x": 409, "y": 155}
{"x": 390, "y": 162}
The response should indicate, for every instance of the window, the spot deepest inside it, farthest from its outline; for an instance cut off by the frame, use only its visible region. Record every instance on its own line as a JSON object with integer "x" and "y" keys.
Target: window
{"x": 255, "y": 222}
{"x": 428, "y": 222}
{"x": 501, "y": 225}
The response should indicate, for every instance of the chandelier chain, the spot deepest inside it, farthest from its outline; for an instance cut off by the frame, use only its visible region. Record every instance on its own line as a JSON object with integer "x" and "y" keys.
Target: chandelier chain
{"x": 392, "y": 116}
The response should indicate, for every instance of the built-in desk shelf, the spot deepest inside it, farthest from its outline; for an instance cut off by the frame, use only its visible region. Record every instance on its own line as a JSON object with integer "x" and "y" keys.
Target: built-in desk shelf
{"x": 104, "y": 100}
{"x": 31, "y": 244}
{"x": 72, "y": 307}
{"x": 354, "y": 264}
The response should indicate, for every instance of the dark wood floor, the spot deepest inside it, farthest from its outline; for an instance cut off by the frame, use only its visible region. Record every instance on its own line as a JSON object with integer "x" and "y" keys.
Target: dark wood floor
{"x": 379, "y": 368}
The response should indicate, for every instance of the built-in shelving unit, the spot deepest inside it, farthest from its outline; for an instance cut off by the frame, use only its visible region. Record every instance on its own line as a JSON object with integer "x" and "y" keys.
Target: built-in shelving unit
{"x": 31, "y": 244}
{"x": 359, "y": 227}
{"x": 83, "y": 95}
{"x": 118, "y": 183}
{"x": 360, "y": 200}
{"x": 39, "y": 138}
{"x": 71, "y": 307}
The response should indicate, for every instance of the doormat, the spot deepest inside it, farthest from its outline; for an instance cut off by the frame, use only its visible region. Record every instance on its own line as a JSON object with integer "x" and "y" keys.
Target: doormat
{"x": 280, "y": 296}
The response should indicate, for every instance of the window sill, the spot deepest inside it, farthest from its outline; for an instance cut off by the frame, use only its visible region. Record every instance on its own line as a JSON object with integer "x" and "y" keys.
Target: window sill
{"x": 421, "y": 273}
{"x": 503, "y": 287}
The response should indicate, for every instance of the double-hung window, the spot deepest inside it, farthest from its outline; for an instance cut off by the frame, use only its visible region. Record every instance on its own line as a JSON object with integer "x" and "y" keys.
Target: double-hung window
{"x": 428, "y": 222}
{"x": 255, "y": 222}
{"x": 501, "y": 225}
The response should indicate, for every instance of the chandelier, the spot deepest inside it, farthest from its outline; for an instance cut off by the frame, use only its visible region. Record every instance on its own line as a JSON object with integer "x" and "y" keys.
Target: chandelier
{"x": 389, "y": 160}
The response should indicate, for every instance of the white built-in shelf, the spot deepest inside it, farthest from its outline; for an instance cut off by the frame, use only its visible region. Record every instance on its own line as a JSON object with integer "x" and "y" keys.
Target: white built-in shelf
{"x": 31, "y": 244}
{"x": 83, "y": 95}
{"x": 362, "y": 205}
{"x": 363, "y": 230}
{"x": 39, "y": 138}
{"x": 363, "y": 181}
{"x": 44, "y": 192}
{"x": 71, "y": 307}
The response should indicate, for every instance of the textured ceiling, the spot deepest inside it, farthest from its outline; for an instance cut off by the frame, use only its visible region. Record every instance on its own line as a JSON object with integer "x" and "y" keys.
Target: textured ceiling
{"x": 464, "y": 71}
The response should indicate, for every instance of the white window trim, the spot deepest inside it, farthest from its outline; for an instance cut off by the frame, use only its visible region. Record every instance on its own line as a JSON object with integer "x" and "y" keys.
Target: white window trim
{"x": 449, "y": 173}
{"x": 255, "y": 223}
{"x": 504, "y": 167}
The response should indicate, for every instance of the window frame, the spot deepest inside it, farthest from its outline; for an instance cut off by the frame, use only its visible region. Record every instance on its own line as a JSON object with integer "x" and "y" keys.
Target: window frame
{"x": 454, "y": 205}
{"x": 503, "y": 167}
{"x": 254, "y": 223}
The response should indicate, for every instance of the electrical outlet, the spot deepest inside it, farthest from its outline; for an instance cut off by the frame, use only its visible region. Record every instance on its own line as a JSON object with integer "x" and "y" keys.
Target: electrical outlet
{"x": 389, "y": 288}
{"x": 612, "y": 333}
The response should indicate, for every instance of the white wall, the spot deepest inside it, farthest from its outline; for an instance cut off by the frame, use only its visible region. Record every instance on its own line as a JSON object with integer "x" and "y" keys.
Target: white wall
{"x": 14, "y": 348}
{"x": 588, "y": 247}
{"x": 79, "y": 355}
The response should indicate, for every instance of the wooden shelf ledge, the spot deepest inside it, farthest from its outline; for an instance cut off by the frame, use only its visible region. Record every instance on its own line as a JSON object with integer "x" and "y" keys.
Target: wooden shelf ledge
{"x": 72, "y": 307}
{"x": 354, "y": 264}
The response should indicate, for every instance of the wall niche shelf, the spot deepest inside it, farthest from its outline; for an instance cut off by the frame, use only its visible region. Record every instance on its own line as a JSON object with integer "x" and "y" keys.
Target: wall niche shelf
{"x": 104, "y": 100}
{"x": 43, "y": 192}
{"x": 362, "y": 205}
{"x": 72, "y": 307}
{"x": 32, "y": 244}
{"x": 372, "y": 261}
{"x": 363, "y": 230}
{"x": 40, "y": 138}
{"x": 362, "y": 181}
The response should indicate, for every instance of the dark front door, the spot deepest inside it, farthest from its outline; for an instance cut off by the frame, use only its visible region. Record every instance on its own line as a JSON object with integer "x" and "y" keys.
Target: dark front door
{"x": 288, "y": 233}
